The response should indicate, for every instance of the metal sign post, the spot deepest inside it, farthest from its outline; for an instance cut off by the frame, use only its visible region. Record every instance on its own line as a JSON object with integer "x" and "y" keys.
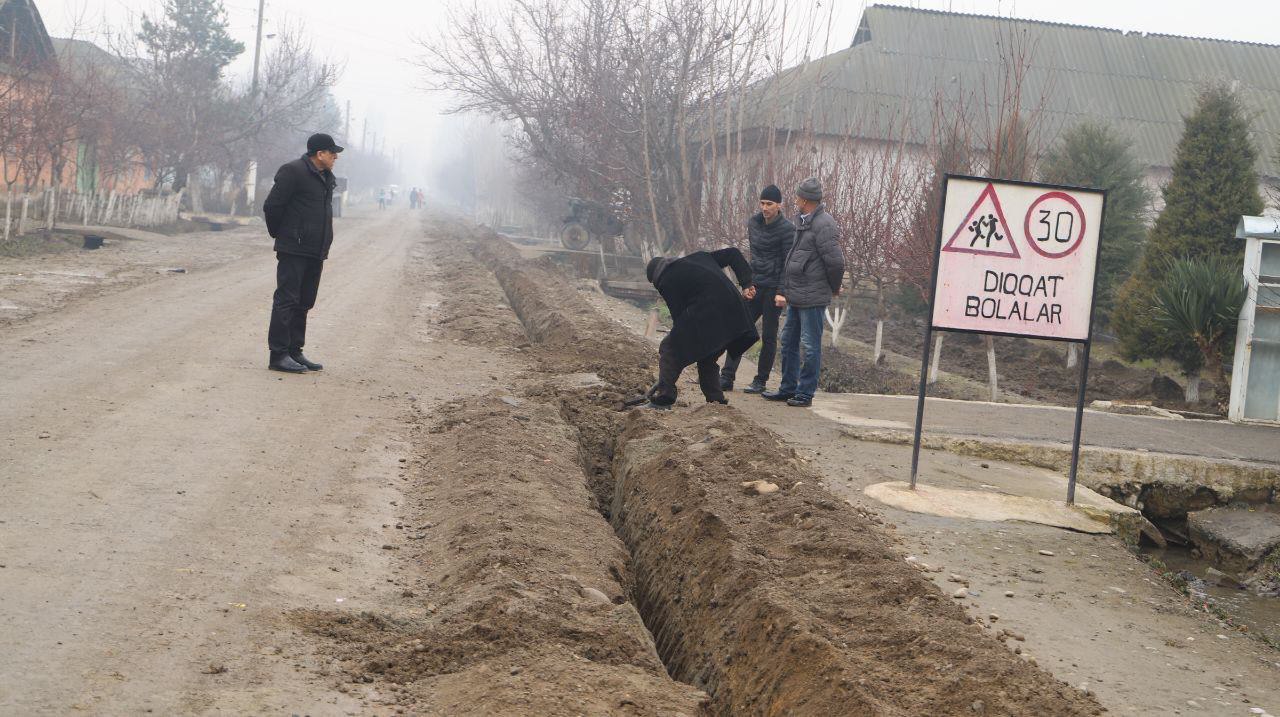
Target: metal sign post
{"x": 1032, "y": 278}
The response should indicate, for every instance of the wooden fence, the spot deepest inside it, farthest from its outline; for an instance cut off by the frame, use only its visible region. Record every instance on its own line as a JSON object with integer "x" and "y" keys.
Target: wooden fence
{"x": 49, "y": 209}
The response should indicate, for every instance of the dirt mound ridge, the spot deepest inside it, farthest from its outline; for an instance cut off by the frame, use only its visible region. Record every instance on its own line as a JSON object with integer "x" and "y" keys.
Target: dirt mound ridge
{"x": 524, "y": 611}
{"x": 571, "y": 334}
{"x": 793, "y": 602}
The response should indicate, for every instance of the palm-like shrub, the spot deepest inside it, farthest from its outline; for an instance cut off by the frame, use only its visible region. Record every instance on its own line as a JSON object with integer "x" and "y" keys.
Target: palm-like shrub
{"x": 1198, "y": 301}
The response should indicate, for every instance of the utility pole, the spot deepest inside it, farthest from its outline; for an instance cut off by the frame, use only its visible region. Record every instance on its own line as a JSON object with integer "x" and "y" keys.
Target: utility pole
{"x": 346, "y": 130}
{"x": 251, "y": 172}
{"x": 364, "y": 137}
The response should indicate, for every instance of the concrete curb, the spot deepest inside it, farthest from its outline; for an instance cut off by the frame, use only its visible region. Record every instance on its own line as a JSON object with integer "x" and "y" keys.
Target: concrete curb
{"x": 1164, "y": 485}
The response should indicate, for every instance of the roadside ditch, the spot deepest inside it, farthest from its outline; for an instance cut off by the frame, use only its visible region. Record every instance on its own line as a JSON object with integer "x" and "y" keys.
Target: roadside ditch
{"x": 773, "y": 599}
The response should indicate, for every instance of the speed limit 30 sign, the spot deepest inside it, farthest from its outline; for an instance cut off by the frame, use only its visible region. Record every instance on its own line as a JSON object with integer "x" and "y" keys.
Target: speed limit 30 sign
{"x": 1017, "y": 258}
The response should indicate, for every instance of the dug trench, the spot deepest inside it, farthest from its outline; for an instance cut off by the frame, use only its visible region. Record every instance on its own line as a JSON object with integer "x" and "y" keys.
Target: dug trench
{"x": 658, "y": 584}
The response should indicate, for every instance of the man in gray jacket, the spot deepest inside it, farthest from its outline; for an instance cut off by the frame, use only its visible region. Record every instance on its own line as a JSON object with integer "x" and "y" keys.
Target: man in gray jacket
{"x": 811, "y": 277}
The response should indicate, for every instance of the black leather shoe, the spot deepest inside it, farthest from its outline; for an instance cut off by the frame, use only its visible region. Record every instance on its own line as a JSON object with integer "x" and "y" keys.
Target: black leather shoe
{"x": 755, "y": 387}
{"x": 286, "y": 363}
{"x": 726, "y": 384}
{"x": 658, "y": 406}
{"x": 721, "y": 401}
{"x": 800, "y": 402}
{"x": 311, "y": 365}
{"x": 776, "y": 396}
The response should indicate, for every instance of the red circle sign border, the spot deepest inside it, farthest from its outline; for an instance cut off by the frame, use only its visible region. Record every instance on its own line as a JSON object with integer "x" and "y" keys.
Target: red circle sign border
{"x": 1026, "y": 224}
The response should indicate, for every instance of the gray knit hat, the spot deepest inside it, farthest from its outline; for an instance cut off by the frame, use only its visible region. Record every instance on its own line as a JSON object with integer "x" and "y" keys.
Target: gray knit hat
{"x": 810, "y": 189}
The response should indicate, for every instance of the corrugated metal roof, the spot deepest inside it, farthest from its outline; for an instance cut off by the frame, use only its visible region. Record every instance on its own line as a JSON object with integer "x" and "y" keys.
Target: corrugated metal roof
{"x": 1142, "y": 84}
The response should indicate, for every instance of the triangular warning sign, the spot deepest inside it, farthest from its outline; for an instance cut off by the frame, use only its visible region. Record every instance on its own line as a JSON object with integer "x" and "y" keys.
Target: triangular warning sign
{"x": 984, "y": 229}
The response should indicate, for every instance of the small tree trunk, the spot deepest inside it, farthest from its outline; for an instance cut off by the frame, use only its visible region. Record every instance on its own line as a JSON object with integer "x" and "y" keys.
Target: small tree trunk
{"x": 51, "y": 216}
{"x": 835, "y": 316}
{"x": 8, "y": 213}
{"x": 878, "y": 354}
{"x": 1073, "y": 356}
{"x": 22, "y": 221}
{"x": 992, "y": 377}
{"x": 937, "y": 357}
{"x": 1192, "y": 392}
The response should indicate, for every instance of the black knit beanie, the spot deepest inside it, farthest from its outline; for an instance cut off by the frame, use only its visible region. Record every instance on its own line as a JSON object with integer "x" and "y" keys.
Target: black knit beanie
{"x": 772, "y": 193}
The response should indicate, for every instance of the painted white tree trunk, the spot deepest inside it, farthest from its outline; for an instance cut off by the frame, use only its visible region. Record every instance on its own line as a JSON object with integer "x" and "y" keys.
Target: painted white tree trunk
{"x": 1073, "y": 356}
{"x": 991, "y": 368}
{"x": 51, "y": 216}
{"x": 1192, "y": 392}
{"x": 937, "y": 356}
{"x": 878, "y": 354}
{"x": 835, "y": 317}
{"x": 22, "y": 221}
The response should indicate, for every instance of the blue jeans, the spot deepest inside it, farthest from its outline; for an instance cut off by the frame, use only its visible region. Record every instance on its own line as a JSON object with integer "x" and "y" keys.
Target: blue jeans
{"x": 801, "y": 348}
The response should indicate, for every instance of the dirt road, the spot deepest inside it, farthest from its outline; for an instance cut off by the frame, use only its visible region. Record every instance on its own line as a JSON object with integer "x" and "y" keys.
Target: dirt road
{"x": 164, "y": 498}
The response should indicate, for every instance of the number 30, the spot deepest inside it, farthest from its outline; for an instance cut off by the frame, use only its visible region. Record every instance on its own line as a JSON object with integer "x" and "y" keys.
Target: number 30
{"x": 1055, "y": 230}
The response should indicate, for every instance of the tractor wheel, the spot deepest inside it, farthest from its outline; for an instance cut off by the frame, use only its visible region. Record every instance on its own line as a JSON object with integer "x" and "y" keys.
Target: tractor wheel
{"x": 574, "y": 236}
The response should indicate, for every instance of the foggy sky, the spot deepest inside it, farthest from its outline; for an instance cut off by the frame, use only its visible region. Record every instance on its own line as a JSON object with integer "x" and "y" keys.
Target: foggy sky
{"x": 375, "y": 39}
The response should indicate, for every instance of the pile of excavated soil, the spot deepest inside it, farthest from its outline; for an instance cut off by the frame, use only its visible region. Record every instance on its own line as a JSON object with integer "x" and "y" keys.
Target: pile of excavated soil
{"x": 474, "y": 308}
{"x": 521, "y": 605}
{"x": 793, "y": 602}
{"x": 572, "y": 335}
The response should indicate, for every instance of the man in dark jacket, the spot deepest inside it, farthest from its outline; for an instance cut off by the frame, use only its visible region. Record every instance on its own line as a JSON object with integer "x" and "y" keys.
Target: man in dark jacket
{"x": 709, "y": 317}
{"x": 299, "y": 212}
{"x": 811, "y": 277}
{"x": 770, "y": 236}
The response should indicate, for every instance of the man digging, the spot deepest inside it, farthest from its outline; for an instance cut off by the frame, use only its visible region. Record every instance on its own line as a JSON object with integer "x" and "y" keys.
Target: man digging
{"x": 299, "y": 213}
{"x": 709, "y": 318}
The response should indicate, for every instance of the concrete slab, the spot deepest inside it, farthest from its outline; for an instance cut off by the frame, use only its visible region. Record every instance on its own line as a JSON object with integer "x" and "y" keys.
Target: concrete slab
{"x": 990, "y": 506}
{"x": 1235, "y": 539}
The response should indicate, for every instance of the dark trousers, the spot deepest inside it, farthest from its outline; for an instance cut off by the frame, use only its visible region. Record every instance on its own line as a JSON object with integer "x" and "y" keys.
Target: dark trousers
{"x": 669, "y": 370}
{"x": 761, "y": 307}
{"x": 297, "y": 281}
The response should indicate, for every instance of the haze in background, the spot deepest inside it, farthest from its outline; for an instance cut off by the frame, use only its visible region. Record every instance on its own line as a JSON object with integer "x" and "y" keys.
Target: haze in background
{"x": 376, "y": 40}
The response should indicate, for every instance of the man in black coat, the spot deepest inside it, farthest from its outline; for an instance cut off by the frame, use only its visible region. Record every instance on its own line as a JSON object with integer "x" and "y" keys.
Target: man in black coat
{"x": 299, "y": 212}
{"x": 709, "y": 318}
{"x": 770, "y": 236}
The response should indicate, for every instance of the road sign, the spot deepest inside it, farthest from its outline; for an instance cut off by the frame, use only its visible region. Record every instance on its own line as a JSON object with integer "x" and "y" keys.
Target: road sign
{"x": 1031, "y": 278}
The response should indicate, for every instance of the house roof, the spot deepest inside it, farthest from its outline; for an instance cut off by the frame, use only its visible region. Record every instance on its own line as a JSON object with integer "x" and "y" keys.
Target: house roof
{"x": 903, "y": 59}
{"x": 32, "y": 39}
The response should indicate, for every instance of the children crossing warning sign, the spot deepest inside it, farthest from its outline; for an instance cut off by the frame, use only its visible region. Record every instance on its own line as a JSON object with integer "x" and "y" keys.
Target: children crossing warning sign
{"x": 984, "y": 230}
{"x": 1031, "y": 278}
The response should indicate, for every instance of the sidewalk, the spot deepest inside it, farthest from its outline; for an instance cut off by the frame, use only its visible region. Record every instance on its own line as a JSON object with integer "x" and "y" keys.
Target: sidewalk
{"x": 1207, "y": 439}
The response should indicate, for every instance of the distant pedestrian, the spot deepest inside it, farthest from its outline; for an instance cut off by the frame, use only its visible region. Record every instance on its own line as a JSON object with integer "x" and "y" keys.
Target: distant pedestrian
{"x": 382, "y": 198}
{"x": 770, "y": 236}
{"x": 299, "y": 213}
{"x": 413, "y": 198}
{"x": 708, "y": 315}
{"x": 812, "y": 275}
